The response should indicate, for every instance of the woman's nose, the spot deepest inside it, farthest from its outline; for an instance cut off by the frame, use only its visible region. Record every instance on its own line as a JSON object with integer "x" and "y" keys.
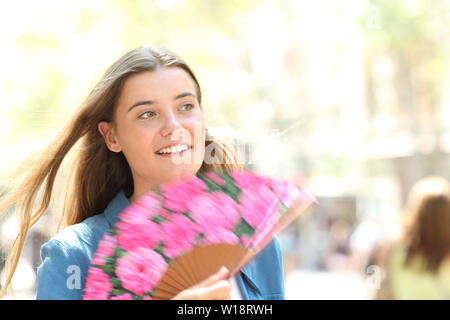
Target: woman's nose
{"x": 172, "y": 126}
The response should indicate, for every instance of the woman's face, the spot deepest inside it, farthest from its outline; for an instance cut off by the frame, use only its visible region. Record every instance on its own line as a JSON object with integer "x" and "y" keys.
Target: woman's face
{"x": 157, "y": 109}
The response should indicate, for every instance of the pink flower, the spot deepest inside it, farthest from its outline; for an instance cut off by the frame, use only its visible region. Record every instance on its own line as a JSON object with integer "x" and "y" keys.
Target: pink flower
{"x": 135, "y": 229}
{"x": 256, "y": 204}
{"x": 97, "y": 285}
{"x": 140, "y": 270}
{"x": 178, "y": 235}
{"x": 245, "y": 240}
{"x": 123, "y": 296}
{"x": 145, "y": 207}
{"x": 220, "y": 235}
{"x": 215, "y": 178}
{"x": 215, "y": 209}
{"x": 245, "y": 179}
{"x": 139, "y": 233}
{"x": 105, "y": 249}
{"x": 178, "y": 193}
{"x": 163, "y": 213}
{"x": 151, "y": 202}
{"x": 286, "y": 191}
{"x": 265, "y": 231}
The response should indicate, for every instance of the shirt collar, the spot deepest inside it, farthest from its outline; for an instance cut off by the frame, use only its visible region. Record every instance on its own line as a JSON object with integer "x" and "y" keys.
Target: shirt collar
{"x": 116, "y": 206}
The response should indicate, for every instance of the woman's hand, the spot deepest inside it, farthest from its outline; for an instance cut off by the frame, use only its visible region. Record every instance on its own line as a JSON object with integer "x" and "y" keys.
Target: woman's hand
{"x": 215, "y": 287}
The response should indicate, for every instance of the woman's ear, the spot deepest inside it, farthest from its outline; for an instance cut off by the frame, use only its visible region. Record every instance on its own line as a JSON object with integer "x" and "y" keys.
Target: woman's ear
{"x": 109, "y": 135}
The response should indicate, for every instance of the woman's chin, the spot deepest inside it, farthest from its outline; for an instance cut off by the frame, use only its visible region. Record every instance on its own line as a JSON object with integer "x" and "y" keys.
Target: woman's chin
{"x": 180, "y": 171}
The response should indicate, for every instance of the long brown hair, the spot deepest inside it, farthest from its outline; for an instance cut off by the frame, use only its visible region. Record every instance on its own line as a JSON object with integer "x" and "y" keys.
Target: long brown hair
{"x": 427, "y": 223}
{"x": 93, "y": 173}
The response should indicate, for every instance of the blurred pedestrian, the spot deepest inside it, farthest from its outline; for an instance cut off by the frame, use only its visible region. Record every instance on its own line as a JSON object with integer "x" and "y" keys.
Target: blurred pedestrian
{"x": 417, "y": 266}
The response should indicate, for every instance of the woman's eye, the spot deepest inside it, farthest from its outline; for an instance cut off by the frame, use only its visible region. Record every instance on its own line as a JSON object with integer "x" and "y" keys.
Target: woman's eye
{"x": 188, "y": 104}
{"x": 149, "y": 113}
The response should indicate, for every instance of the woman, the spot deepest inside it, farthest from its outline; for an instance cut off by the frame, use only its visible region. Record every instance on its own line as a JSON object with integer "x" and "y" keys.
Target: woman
{"x": 146, "y": 102}
{"x": 418, "y": 265}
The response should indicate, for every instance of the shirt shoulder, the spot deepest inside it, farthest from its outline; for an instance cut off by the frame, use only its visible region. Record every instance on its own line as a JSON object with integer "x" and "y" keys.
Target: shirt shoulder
{"x": 86, "y": 232}
{"x": 65, "y": 259}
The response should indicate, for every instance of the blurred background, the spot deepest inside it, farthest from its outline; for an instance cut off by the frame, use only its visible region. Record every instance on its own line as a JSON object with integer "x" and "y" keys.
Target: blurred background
{"x": 351, "y": 99}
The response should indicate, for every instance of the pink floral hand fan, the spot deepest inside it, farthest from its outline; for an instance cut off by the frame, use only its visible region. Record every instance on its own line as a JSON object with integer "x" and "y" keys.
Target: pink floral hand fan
{"x": 177, "y": 235}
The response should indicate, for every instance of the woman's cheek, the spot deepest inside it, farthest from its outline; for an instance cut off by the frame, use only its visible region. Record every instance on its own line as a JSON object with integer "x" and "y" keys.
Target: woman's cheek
{"x": 199, "y": 129}
{"x": 139, "y": 148}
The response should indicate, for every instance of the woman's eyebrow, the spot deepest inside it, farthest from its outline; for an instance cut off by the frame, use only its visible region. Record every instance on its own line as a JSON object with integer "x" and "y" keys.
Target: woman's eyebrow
{"x": 181, "y": 95}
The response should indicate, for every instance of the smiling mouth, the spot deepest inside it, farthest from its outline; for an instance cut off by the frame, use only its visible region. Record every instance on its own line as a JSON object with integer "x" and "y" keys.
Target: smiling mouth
{"x": 168, "y": 153}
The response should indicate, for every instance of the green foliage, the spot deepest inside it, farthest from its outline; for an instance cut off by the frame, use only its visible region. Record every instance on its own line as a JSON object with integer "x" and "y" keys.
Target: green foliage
{"x": 42, "y": 108}
{"x": 412, "y": 33}
{"x": 34, "y": 42}
{"x": 404, "y": 25}
{"x": 182, "y": 28}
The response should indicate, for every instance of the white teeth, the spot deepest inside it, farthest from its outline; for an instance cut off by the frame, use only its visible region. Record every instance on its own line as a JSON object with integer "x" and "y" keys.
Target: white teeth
{"x": 177, "y": 148}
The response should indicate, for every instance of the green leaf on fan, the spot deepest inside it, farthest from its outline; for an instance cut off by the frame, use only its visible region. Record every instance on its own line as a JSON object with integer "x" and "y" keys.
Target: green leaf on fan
{"x": 160, "y": 251}
{"x": 108, "y": 269}
{"x": 233, "y": 194}
{"x": 229, "y": 181}
{"x": 119, "y": 252}
{"x": 167, "y": 209}
{"x": 158, "y": 219}
{"x": 136, "y": 297}
{"x": 199, "y": 238}
{"x": 116, "y": 292}
{"x": 187, "y": 215}
{"x": 229, "y": 188}
{"x": 157, "y": 190}
{"x": 212, "y": 186}
{"x": 243, "y": 228}
{"x": 282, "y": 208}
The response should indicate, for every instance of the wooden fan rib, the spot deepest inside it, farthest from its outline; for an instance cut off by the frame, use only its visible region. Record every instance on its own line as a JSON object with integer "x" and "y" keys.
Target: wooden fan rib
{"x": 175, "y": 272}
{"x": 176, "y": 269}
{"x": 195, "y": 265}
{"x": 166, "y": 285}
{"x": 169, "y": 284}
{"x": 188, "y": 275}
{"x": 163, "y": 295}
{"x": 166, "y": 294}
{"x": 212, "y": 257}
{"x": 192, "y": 266}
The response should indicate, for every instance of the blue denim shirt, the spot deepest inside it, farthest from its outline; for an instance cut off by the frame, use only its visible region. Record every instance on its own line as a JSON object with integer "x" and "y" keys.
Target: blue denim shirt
{"x": 66, "y": 259}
